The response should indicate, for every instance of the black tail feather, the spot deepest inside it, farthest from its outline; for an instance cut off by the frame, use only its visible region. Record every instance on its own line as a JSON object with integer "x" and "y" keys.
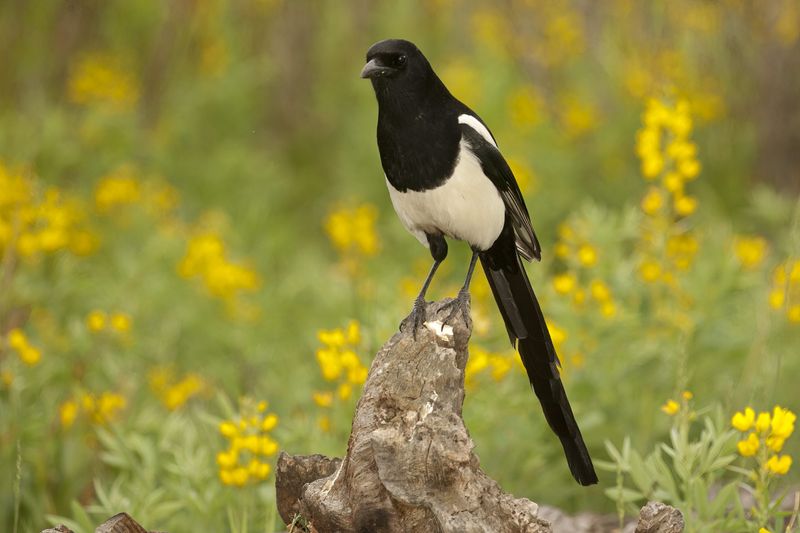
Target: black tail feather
{"x": 528, "y": 332}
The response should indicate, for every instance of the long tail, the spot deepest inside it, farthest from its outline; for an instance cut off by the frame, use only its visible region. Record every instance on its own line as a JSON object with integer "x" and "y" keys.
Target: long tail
{"x": 528, "y": 332}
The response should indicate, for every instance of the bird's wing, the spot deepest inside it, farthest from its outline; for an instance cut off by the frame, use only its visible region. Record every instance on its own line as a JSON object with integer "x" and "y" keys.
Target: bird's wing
{"x": 482, "y": 145}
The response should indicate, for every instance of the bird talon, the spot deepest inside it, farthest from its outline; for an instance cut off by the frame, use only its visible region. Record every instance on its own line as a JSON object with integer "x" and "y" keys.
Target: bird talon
{"x": 416, "y": 318}
{"x": 460, "y": 303}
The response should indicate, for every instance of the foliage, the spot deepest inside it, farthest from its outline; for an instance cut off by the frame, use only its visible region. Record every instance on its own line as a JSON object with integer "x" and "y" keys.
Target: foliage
{"x": 694, "y": 472}
{"x": 179, "y": 187}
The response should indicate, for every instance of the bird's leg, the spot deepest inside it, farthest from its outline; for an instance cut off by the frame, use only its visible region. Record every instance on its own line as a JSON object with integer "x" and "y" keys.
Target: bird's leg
{"x": 461, "y": 302}
{"x": 438, "y": 248}
{"x": 417, "y": 316}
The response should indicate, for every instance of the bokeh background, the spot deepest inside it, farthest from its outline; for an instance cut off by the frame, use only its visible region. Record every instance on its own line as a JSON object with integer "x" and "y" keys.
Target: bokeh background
{"x": 198, "y": 256}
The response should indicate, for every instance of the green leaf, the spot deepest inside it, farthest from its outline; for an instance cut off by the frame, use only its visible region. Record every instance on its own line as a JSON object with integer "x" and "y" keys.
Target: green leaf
{"x": 624, "y": 494}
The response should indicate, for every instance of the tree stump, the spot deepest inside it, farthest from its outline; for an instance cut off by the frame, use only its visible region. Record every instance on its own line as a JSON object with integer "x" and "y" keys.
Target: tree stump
{"x": 409, "y": 464}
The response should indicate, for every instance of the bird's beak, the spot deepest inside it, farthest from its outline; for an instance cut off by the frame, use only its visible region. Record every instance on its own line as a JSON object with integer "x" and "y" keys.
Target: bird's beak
{"x": 374, "y": 69}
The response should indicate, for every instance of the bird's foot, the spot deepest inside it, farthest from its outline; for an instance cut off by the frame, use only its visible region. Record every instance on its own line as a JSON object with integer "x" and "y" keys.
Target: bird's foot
{"x": 461, "y": 304}
{"x": 416, "y": 319}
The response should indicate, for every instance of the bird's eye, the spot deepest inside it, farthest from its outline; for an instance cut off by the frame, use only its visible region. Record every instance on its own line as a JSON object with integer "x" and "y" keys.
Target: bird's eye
{"x": 400, "y": 61}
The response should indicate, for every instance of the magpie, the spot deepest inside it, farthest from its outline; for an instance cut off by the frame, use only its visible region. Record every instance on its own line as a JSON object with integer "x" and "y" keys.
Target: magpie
{"x": 448, "y": 179}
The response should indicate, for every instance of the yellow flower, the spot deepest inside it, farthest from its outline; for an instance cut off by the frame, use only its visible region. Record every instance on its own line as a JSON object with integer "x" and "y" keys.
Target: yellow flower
{"x": 67, "y": 413}
{"x": 600, "y": 290}
{"x": 685, "y": 205}
{"x": 228, "y": 429}
{"x": 793, "y": 313}
{"x": 778, "y": 465}
{"x": 763, "y": 422}
{"x": 782, "y": 423}
{"x": 649, "y": 270}
{"x": 687, "y": 395}
{"x": 587, "y": 255}
{"x": 118, "y": 188}
{"x": 689, "y": 168}
{"x": 17, "y": 339}
{"x": 775, "y": 443}
{"x": 526, "y": 106}
{"x": 227, "y": 459}
{"x": 562, "y": 250}
{"x": 30, "y": 355}
{"x": 206, "y": 259}
{"x": 96, "y": 320}
{"x": 671, "y": 407}
{"x": 345, "y": 391}
{"x": 764, "y": 530}
{"x": 749, "y": 446}
{"x": 652, "y": 201}
{"x": 121, "y": 322}
{"x": 100, "y": 78}
{"x": 744, "y": 421}
{"x": 323, "y": 399}
{"x": 776, "y": 299}
{"x": 352, "y": 231}
{"x": 269, "y": 422}
{"x": 564, "y": 283}
{"x": 26, "y": 353}
{"x": 750, "y": 251}
{"x": 608, "y": 309}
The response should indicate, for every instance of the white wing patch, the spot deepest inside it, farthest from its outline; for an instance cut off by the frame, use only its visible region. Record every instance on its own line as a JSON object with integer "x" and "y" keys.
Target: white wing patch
{"x": 478, "y": 126}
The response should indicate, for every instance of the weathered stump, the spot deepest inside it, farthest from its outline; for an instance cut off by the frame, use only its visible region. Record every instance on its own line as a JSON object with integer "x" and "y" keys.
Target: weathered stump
{"x": 410, "y": 464}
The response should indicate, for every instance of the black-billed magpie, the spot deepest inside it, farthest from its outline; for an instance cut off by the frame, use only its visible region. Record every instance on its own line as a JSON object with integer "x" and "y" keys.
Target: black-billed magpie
{"x": 447, "y": 178}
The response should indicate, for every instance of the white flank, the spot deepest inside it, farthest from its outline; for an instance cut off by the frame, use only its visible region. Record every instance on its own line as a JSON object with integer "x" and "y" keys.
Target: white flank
{"x": 478, "y": 126}
{"x": 466, "y": 207}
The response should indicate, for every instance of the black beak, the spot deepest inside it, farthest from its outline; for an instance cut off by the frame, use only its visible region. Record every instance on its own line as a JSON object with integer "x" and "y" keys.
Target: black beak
{"x": 374, "y": 69}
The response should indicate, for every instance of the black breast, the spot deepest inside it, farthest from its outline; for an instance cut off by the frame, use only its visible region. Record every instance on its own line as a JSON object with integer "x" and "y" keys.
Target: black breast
{"x": 420, "y": 152}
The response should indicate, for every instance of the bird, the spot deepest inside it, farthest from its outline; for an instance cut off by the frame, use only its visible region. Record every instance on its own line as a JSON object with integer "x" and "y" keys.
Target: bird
{"x": 448, "y": 180}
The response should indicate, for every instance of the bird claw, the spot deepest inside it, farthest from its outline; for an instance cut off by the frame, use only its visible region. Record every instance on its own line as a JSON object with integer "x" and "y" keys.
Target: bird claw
{"x": 416, "y": 318}
{"x": 461, "y": 304}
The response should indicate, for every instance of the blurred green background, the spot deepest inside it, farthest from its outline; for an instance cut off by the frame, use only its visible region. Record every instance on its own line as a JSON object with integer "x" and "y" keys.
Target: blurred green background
{"x": 178, "y": 181}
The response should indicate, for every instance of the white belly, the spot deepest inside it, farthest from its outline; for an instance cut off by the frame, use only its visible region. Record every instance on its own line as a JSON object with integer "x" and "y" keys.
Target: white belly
{"x": 467, "y": 207}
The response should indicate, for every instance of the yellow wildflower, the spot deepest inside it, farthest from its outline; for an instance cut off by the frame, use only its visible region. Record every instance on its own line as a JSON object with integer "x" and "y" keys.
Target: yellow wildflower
{"x": 352, "y": 231}
{"x": 671, "y": 407}
{"x": 19, "y": 342}
{"x": 96, "y": 320}
{"x": 322, "y": 399}
{"x": 118, "y": 188}
{"x": 763, "y": 422}
{"x": 749, "y": 446}
{"x": 685, "y": 205}
{"x": 778, "y": 465}
{"x": 652, "y": 201}
{"x": 793, "y": 313}
{"x": 775, "y": 443}
{"x": 121, "y": 322}
{"x": 608, "y": 309}
{"x": 206, "y": 259}
{"x": 687, "y": 395}
{"x": 600, "y": 290}
{"x": 776, "y": 299}
{"x": 750, "y": 251}
{"x": 587, "y": 255}
{"x": 67, "y": 413}
{"x": 526, "y": 106}
{"x": 564, "y": 283}
{"x": 782, "y": 423}
{"x": 101, "y": 78}
{"x": 743, "y": 421}
{"x": 249, "y": 443}
{"x": 649, "y": 271}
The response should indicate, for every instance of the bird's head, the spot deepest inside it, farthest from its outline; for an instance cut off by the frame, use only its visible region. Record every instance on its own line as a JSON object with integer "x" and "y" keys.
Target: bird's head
{"x": 397, "y": 64}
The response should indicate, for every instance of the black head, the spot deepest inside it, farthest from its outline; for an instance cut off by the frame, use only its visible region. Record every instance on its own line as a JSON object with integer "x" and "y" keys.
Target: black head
{"x": 395, "y": 64}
